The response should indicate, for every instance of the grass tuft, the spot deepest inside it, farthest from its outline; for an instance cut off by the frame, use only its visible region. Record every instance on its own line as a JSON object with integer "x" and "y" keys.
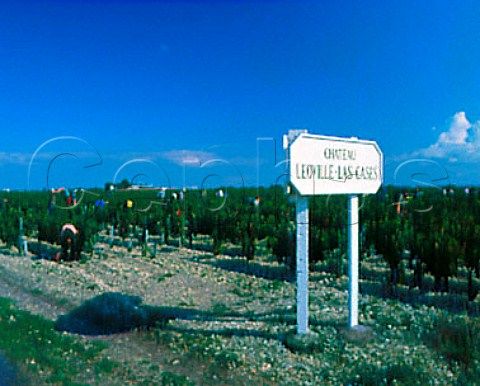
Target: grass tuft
{"x": 32, "y": 341}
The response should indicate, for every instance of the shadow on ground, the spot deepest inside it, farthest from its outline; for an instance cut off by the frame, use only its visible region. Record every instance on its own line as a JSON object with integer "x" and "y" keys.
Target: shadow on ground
{"x": 242, "y": 265}
{"x": 113, "y": 312}
{"x": 43, "y": 251}
{"x": 455, "y": 303}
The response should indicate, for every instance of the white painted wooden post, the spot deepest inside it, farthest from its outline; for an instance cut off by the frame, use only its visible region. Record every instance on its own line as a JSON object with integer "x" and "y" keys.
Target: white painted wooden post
{"x": 352, "y": 260}
{"x": 302, "y": 265}
{"x": 22, "y": 243}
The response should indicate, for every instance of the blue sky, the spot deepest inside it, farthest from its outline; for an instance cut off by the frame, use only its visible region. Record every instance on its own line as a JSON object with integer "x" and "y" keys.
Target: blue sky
{"x": 190, "y": 92}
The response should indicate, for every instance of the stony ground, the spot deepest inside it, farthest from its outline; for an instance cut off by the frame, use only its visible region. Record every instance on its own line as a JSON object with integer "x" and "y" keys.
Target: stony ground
{"x": 246, "y": 339}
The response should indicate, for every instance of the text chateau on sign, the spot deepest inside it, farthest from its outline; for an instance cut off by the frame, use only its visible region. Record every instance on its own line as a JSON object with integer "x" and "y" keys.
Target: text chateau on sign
{"x": 340, "y": 154}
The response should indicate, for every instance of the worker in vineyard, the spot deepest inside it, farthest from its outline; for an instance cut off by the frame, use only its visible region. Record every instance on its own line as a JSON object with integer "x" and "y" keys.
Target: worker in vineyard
{"x": 68, "y": 197}
{"x": 74, "y": 197}
{"x": 69, "y": 236}
{"x": 51, "y": 204}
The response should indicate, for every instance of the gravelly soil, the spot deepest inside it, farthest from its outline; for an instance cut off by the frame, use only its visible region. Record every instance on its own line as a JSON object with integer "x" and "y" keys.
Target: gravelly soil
{"x": 172, "y": 279}
{"x": 242, "y": 341}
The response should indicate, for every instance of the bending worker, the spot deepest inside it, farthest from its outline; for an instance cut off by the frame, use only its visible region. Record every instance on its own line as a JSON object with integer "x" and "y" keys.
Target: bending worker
{"x": 69, "y": 239}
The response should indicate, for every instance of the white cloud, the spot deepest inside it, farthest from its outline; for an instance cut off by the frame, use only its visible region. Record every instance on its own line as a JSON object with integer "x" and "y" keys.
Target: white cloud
{"x": 458, "y": 131}
{"x": 14, "y": 158}
{"x": 459, "y": 143}
{"x": 188, "y": 157}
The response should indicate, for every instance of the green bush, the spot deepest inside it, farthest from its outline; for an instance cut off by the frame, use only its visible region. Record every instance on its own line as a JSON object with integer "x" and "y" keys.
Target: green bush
{"x": 171, "y": 379}
{"x": 367, "y": 374}
{"x": 228, "y": 359}
{"x": 457, "y": 340}
{"x": 31, "y": 339}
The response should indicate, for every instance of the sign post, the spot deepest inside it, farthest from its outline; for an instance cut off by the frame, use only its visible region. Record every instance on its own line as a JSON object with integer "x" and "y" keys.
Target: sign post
{"x": 302, "y": 265}
{"x": 352, "y": 260}
{"x": 320, "y": 165}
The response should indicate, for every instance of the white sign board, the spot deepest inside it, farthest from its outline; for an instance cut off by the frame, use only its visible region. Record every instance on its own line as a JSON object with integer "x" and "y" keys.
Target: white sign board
{"x": 332, "y": 165}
